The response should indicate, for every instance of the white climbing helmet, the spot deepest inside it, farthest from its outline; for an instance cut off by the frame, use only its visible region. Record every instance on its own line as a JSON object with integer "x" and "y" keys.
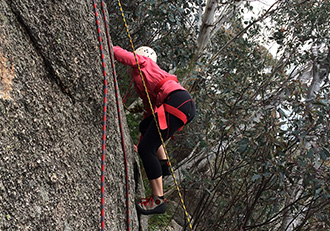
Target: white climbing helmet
{"x": 148, "y": 52}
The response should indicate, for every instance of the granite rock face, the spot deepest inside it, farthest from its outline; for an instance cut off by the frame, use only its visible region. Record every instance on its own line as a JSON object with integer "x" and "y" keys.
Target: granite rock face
{"x": 51, "y": 116}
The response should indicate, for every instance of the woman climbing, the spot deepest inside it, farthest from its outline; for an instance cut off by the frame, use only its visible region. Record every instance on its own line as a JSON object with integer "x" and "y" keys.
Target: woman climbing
{"x": 173, "y": 107}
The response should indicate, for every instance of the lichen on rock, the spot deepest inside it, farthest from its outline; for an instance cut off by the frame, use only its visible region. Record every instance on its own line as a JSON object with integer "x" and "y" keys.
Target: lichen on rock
{"x": 6, "y": 77}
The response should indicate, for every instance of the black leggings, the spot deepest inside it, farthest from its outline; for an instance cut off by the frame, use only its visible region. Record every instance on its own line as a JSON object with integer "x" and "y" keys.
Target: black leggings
{"x": 151, "y": 141}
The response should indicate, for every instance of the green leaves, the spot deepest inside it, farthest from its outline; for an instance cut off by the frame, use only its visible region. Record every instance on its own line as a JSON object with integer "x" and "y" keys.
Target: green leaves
{"x": 255, "y": 177}
{"x": 243, "y": 145}
{"x": 324, "y": 154}
{"x": 259, "y": 137}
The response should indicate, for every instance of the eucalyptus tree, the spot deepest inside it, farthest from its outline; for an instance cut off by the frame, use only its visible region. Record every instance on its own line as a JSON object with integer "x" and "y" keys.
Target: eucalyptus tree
{"x": 250, "y": 167}
{"x": 291, "y": 114}
{"x": 303, "y": 36}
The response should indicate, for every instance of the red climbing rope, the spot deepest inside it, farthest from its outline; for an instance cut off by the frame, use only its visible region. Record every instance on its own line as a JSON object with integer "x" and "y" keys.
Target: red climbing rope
{"x": 128, "y": 92}
{"x": 115, "y": 82}
{"x": 104, "y": 115}
{"x": 105, "y": 112}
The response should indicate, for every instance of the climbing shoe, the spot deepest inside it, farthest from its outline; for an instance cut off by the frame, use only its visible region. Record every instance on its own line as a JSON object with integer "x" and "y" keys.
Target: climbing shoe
{"x": 166, "y": 171}
{"x": 151, "y": 205}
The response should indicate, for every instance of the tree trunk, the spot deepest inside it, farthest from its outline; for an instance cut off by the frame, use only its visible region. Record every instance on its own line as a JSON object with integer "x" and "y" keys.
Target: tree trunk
{"x": 51, "y": 115}
{"x": 318, "y": 72}
{"x": 207, "y": 24}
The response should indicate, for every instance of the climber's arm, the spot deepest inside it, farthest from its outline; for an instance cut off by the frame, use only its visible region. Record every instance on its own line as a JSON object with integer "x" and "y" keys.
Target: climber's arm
{"x": 127, "y": 58}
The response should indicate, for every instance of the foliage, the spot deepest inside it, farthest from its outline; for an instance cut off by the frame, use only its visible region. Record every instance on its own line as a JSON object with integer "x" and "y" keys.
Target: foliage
{"x": 148, "y": 27}
{"x": 159, "y": 221}
{"x": 262, "y": 146}
{"x": 133, "y": 121}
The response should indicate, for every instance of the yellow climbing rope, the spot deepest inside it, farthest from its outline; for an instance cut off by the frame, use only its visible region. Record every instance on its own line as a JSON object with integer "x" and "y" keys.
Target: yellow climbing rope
{"x": 153, "y": 113}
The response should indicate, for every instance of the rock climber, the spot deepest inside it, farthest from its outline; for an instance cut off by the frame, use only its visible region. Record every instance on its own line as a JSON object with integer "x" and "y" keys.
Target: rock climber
{"x": 173, "y": 108}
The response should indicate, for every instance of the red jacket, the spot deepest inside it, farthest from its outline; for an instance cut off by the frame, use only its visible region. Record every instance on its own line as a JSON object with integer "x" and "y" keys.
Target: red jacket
{"x": 152, "y": 75}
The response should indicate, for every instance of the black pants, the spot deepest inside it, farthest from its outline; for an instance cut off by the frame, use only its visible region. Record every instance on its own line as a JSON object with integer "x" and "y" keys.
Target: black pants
{"x": 151, "y": 141}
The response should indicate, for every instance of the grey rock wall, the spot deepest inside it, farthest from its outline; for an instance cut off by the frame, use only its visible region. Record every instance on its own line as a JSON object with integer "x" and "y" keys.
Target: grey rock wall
{"x": 51, "y": 99}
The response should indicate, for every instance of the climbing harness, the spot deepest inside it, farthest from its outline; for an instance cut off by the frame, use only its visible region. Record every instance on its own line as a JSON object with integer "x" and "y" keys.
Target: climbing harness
{"x": 105, "y": 111}
{"x": 168, "y": 108}
{"x": 154, "y": 116}
{"x": 171, "y": 110}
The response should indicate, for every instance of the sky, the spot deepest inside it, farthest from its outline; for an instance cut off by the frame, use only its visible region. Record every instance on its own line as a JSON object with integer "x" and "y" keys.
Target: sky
{"x": 258, "y": 6}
